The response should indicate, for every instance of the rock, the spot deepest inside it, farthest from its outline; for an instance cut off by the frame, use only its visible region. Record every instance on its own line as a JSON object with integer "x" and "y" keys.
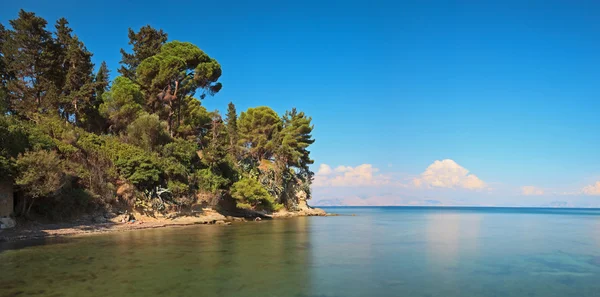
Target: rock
{"x": 110, "y": 215}
{"x": 7, "y": 223}
{"x": 99, "y": 219}
{"x": 258, "y": 219}
{"x": 220, "y": 222}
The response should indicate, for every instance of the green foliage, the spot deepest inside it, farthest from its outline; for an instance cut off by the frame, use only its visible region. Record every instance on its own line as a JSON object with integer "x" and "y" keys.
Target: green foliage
{"x": 249, "y": 193}
{"x": 122, "y": 104}
{"x": 257, "y": 128}
{"x": 28, "y": 52}
{"x": 147, "y": 132}
{"x": 177, "y": 72}
{"x": 138, "y": 167}
{"x": 208, "y": 181}
{"x": 195, "y": 120}
{"x": 68, "y": 137}
{"x": 183, "y": 151}
{"x": 40, "y": 174}
{"x": 294, "y": 140}
{"x": 232, "y": 129}
{"x": 145, "y": 43}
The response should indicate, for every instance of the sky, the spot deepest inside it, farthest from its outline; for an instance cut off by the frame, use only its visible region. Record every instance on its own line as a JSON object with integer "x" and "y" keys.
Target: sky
{"x": 413, "y": 102}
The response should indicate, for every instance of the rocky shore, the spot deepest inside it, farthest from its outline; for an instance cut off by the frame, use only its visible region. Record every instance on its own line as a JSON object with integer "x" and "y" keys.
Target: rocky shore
{"x": 109, "y": 222}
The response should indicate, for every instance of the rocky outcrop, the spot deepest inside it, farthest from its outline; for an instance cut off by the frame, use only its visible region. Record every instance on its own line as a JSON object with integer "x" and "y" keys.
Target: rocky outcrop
{"x": 301, "y": 198}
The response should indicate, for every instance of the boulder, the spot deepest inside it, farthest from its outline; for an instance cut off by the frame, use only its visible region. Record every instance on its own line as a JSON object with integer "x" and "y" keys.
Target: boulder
{"x": 99, "y": 219}
{"x": 7, "y": 223}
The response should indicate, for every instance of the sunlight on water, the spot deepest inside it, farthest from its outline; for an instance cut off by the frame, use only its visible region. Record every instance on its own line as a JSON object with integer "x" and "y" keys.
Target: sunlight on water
{"x": 379, "y": 252}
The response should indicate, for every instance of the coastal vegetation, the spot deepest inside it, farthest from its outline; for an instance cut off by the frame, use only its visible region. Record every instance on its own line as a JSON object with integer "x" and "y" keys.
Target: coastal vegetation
{"x": 74, "y": 141}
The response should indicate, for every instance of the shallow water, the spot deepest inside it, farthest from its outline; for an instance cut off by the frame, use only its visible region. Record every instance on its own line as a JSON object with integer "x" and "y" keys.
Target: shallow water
{"x": 393, "y": 251}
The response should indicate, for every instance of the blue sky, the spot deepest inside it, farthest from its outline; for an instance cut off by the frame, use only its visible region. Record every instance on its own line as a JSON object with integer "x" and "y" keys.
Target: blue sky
{"x": 507, "y": 90}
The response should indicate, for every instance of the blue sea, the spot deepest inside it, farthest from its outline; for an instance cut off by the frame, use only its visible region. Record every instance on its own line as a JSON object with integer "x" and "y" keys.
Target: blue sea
{"x": 366, "y": 251}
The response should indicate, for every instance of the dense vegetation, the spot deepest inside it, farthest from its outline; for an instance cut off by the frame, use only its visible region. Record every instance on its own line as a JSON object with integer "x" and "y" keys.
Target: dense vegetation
{"x": 73, "y": 141}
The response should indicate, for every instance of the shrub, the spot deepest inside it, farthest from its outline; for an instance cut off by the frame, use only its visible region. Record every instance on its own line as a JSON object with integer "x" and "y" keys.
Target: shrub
{"x": 210, "y": 182}
{"x": 40, "y": 175}
{"x": 147, "y": 132}
{"x": 183, "y": 151}
{"x": 249, "y": 193}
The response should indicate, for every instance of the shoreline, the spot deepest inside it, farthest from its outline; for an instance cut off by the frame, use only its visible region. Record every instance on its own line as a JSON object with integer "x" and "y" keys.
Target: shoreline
{"x": 32, "y": 230}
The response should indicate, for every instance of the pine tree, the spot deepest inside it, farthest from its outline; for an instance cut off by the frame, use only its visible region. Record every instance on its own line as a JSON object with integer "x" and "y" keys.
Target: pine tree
{"x": 178, "y": 71}
{"x": 28, "y": 57}
{"x": 257, "y": 131}
{"x": 102, "y": 80}
{"x": 75, "y": 81}
{"x": 232, "y": 130}
{"x": 145, "y": 43}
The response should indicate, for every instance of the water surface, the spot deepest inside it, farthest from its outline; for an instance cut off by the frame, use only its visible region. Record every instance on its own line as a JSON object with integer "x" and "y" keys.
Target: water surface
{"x": 393, "y": 251}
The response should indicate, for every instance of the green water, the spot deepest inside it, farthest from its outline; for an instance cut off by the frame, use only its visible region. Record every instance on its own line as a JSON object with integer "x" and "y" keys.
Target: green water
{"x": 380, "y": 252}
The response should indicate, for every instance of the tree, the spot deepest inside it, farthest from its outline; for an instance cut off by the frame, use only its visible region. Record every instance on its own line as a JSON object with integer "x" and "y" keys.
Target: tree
{"x": 147, "y": 132}
{"x": 122, "y": 104}
{"x": 195, "y": 120}
{"x": 257, "y": 128}
{"x": 93, "y": 120}
{"x": 27, "y": 51}
{"x": 232, "y": 130}
{"x": 40, "y": 175}
{"x": 145, "y": 43}
{"x": 102, "y": 80}
{"x": 215, "y": 151}
{"x": 294, "y": 139}
{"x": 78, "y": 89}
{"x": 178, "y": 71}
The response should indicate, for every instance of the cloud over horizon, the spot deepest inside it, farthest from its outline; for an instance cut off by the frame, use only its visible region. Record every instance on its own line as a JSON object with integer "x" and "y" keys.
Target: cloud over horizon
{"x": 448, "y": 174}
{"x": 531, "y": 191}
{"x": 348, "y": 176}
{"x": 592, "y": 190}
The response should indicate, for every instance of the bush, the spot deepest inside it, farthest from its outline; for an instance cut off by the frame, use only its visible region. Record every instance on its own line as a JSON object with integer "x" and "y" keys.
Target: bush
{"x": 249, "y": 193}
{"x": 40, "y": 175}
{"x": 208, "y": 181}
{"x": 183, "y": 151}
{"x": 148, "y": 132}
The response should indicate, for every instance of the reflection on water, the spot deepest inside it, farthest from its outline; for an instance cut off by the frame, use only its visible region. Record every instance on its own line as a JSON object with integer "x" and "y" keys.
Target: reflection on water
{"x": 190, "y": 261}
{"x": 380, "y": 252}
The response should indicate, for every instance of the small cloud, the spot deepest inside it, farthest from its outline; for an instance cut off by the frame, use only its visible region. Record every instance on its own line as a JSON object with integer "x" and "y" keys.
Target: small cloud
{"x": 324, "y": 169}
{"x": 531, "y": 191}
{"x": 346, "y": 176}
{"x": 592, "y": 190}
{"x": 448, "y": 174}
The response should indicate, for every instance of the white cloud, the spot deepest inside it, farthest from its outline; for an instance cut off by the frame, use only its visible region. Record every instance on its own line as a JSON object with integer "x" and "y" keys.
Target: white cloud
{"x": 531, "y": 191}
{"x": 592, "y": 190}
{"x": 448, "y": 174}
{"x": 324, "y": 169}
{"x": 345, "y": 176}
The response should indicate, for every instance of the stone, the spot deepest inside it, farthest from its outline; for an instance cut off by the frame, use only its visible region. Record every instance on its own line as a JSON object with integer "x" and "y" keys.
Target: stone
{"x": 110, "y": 215}
{"x": 7, "y": 223}
{"x": 220, "y": 222}
{"x": 99, "y": 219}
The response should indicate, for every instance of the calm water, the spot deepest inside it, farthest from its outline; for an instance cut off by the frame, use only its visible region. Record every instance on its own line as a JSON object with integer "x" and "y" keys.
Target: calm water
{"x": 379, "y": 252}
